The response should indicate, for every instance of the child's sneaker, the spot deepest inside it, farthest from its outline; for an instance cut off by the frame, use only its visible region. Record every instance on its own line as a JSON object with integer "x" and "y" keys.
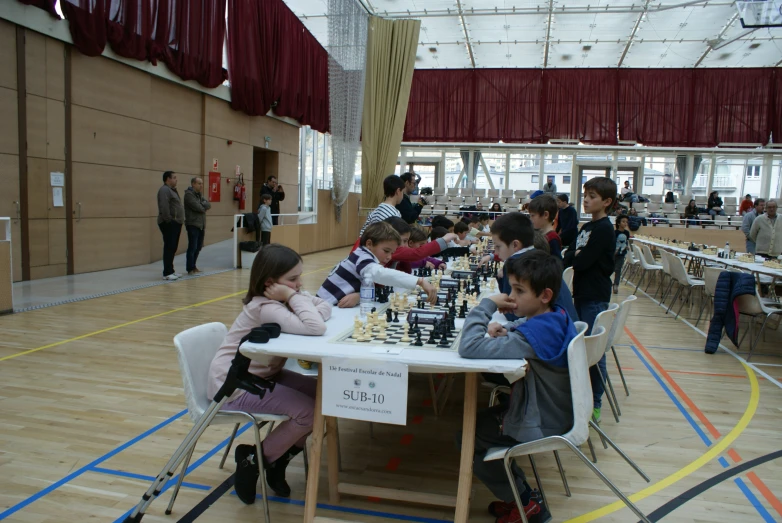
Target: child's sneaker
{"x": 501, "y": 508}
{"x": 535, "y": 511}
{"x": 596, "y": 415}
{"x": 247, "y": 472}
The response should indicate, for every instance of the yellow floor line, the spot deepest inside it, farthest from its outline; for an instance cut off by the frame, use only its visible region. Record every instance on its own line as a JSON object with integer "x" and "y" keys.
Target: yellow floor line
{"x": 133, "y": 322}
{"x": 714, "y": 451}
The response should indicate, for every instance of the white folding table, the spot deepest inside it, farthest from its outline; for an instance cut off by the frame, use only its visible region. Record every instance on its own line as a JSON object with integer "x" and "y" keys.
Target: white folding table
{"x": 418, "y": 360}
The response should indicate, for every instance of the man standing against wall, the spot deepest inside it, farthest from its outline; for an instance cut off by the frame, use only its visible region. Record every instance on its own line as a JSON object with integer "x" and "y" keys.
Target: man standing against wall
{"x": 410, "y": 211}
{"x": 277, "y": 193}
{"x": 567, "y": 220}
{"x": 550, "y": 187}
{"x": 170, "y": 216}
{"x": 749, "y": 219}
{"x": 195, "y": 222}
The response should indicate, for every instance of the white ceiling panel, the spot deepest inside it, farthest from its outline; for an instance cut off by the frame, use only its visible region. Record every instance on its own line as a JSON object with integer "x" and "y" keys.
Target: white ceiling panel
{"x": 513, "y": 33}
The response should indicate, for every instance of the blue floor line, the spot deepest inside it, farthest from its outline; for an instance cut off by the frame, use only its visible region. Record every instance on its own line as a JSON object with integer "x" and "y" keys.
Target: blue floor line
{"x": 57, "y": 484}
{"x": 142, "y": 477}
{"x": 722, "y": 461}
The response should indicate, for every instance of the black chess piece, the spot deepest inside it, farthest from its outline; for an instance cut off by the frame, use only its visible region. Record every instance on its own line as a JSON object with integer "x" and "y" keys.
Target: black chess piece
{"x": 433, "y": 334}
{"x": 485, "y": 276}
{"x": 444, "y": 339}
{"x": 463, "y": 309}
{"x": 388, "y": 316}
{"x": 415, "y": 324}
{"x": 396, "y": 316}
{"x": 418, "y": 342}
{"x": 374, "y": 309}
{"x": 477, "y": 287}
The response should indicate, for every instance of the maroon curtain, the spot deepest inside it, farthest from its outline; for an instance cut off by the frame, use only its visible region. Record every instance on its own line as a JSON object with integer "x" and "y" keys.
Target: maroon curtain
{"x": 46, "y": 5}
{"x": 733, "y": 107}
{"x": 654, "y": 106}
{"x": 507, "y": 105}
{"x": 775, "y": 108}
{"x": 186, "y": 35}
{"x": 274, "y": 61}
{"x": 580, "y": 104}
{"x": 441, "y": 106}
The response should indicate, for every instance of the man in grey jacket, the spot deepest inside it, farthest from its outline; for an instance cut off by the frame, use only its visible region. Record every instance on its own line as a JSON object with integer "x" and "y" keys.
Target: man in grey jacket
{"x": 749, "y": 218}
{"x": 541, "y": 403}
{"x": 195, "y": 222}
{"x": 550, "y": 187}
{"x": 170, "y": 217}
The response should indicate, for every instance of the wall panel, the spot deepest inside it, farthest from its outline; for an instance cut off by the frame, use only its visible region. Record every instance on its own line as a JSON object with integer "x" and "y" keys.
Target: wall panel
{"x": 284, "y": 137}
{"x": 39, "y": 242}
{"x": 115, "y": 192}
{"x": 55, "y": 129}
{"x": 9, "y": 122}
{"x": 175, "y": 106}
{"x": 100, "y": 83}
{"x": 35, "y": 62}
{"x": 36, "y": 126}
{"x": 110, "y": 139}
{"x": 175, "y": 150}
{"x": 226, "y": 123}
{"x": 55, "y": 70}
{"x": 108, "y": 243}
{"x": 8, "y": 56}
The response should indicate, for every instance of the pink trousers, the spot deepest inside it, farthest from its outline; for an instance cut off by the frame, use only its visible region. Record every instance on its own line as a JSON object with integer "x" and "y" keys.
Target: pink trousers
{"x": 293, "y": 396}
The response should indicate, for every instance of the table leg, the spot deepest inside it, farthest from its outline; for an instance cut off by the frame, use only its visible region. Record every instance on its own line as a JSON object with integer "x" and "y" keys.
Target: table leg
{"x": 464, "y": 491}
{"x": 332, "y": 452}
{"x": 311, "y": 497}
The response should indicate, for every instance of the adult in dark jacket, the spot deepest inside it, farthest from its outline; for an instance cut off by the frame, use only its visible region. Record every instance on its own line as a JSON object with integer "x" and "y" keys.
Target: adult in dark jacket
{"x": 730, "y": 285}
{"x": 410, "y": 211}
{"x": 567, "y": 220}
{"x": 171, "y": 215}
{"x": 195, "y": 222}
{"x": 277, "y": 193}
{"x": 715, "y": 204}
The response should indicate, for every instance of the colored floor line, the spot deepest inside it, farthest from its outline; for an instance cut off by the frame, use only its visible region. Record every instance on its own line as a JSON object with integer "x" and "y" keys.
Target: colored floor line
{"x": 712, "y": 453}
{"x": 722, "y": 461}
{"x": 133, "y": 322}
{"x": 702, "y": 487}
{"x": 57, "y": 484}
{"x": 762, "y": 488}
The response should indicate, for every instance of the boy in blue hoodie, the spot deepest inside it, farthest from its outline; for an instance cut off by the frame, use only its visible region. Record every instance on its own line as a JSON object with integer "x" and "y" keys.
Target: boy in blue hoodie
{"x": 540, "y": 404}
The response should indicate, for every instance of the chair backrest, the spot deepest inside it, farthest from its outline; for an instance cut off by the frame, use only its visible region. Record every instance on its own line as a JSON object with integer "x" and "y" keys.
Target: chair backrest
{"x": 195, "y": 350}
{"x": 603, "y": 323}
{"x": 453, "y": 191}
{"x": 617, "y": 329}
{"x": 567, "y": 275}
{"x": 580, "y": 386}
{"x": 665, "y": 261}
{"x": 480, "y": 193}
{"x": 507, "y": 193}
{"x": 648, "y": 255}
{"x": 751, "y": 303}
{"x": 467, "y": 191}
{"x": 669, "y": 207}
{"x": 438, "y": 191}
{"x": 710, "y": 277}
{"x": 493, "y": 193}
{"x": 678, "y": 272}
{"x": 639, "y": 255}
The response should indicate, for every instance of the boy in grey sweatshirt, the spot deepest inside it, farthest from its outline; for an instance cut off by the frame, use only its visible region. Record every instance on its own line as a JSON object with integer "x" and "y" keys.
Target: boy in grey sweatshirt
{"x": 265, "y": 217}
{"x": 540, "y": 404}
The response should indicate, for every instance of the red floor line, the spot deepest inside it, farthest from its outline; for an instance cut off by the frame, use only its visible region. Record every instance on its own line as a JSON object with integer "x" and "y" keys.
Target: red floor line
{"x": 393, "y": 464}
{"x": 732, "y": 453}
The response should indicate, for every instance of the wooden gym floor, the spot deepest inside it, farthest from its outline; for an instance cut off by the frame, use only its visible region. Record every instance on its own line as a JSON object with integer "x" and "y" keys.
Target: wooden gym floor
{"x": 91, "y": 406}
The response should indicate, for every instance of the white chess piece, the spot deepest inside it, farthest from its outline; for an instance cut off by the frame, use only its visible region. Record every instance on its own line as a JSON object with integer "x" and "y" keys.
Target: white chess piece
{"x": 405, "y": 338}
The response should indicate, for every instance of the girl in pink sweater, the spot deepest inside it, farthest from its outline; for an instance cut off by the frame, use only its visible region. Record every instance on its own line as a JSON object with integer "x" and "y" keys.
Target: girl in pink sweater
{"x": 274, "y": 296}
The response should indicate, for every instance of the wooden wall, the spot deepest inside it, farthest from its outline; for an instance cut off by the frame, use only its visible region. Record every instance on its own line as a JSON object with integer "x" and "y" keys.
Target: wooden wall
{"x": 127, "y": 127}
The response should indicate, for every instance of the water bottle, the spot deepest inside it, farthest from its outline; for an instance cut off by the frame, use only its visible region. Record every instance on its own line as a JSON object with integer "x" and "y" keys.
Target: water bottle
{"x": 727, "y": 250}
{"x": 367, "y": 297}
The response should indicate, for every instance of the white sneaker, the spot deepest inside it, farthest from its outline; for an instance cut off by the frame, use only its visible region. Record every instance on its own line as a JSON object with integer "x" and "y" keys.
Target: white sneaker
{"x": 177, "y": 275}
{"x": 171, "y": 277}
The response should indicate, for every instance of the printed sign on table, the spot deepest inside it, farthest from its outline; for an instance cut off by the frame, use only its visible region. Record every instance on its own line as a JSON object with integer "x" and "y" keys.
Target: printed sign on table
{"x": 365, "y": 390}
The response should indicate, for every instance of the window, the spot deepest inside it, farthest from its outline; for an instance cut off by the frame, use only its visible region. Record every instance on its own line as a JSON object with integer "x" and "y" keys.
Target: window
{"x": 648, "y": 181}
{"x": 535, "y": 178}
{"x": 566, "y": 179}
{"x": 753, "y": 171}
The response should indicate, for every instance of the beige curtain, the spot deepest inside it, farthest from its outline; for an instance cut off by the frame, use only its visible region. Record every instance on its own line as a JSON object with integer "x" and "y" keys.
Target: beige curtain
{"x": 391, "y": 48}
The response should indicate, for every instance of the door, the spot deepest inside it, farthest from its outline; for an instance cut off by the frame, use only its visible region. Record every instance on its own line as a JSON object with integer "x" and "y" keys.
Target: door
{"x": 587, "y": 173}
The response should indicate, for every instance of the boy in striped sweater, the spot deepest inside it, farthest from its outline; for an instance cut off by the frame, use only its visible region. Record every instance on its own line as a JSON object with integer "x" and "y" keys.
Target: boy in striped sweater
{"x": 378, "y": 243}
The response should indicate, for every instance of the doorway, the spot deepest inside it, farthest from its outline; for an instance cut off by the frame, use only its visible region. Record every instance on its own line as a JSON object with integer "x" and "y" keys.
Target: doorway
{"x": 587, "y": 172}
{"x": 428, "y": 172}
{"x": 265, "y": 163}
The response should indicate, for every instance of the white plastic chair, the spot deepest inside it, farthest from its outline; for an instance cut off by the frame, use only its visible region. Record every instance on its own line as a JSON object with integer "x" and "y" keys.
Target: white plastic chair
{"x": 595, "y": 352}
{"x": 753, "y": 305}
{"x": 196, "y": 348}
{"x": 631, "y": 266}
{"x": 646, "y": 267}
{"x": 710, "y": 277}
{"x": 567, "y": 276}
{"x": 679, "y": 274}
{"x": 581, "y": 394}
{"x": 616, "y": 333}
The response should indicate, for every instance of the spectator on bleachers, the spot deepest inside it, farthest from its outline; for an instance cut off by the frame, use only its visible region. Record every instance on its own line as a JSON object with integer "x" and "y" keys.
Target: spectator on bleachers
{"x": 715, "y": 204}
{"x": 749, "y": 219}
{"x": 670, "y": 197}
{"x": 691, "y": 213}
{"x": 567, "y": 220}
{"x": 495, "y": 211}
{"x": 746, "y": 205}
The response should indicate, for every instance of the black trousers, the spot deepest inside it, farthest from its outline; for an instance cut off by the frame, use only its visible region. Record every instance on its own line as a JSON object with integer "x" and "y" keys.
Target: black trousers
{"x": 568, "y": 236}
{"x": 488, "y": 434}
{"x": 266, "y": 237}
{"x": 171, "y": 232}
{"x": 195, "y": 241}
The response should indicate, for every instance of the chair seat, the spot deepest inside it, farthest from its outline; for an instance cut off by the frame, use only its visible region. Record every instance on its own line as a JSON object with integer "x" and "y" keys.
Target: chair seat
{"x": 695, "y": 282}
{"x": 654, "y": 267}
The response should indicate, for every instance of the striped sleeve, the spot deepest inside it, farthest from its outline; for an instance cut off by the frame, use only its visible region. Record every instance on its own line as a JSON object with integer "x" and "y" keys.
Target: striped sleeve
{"x": 380, "y": 213}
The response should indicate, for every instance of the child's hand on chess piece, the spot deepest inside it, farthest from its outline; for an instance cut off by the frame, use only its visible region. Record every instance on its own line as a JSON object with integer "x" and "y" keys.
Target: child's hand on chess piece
{"x": 495, "y": 330}
{"x": 349, "y": 301}
{"x": 429, "y": 265}
{"x": 431, "y": 292}
{"x": 451, "y": 237}
{"x": 504, "y": 303}
{"x": 483, "y": 261}
{"x": 279, "y": 292}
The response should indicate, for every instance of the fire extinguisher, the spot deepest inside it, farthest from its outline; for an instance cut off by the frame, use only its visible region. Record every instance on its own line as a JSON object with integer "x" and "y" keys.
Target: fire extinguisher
{"x": 238, "y": 190}
{"x": 242, "y": 195}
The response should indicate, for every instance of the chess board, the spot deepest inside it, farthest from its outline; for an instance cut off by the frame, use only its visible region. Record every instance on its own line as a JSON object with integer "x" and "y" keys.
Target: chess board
{"x": 395, "y": 332}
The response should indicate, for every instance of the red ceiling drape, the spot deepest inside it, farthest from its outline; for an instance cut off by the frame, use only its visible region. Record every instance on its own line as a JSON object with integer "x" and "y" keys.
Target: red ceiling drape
{"x": 273, "y": 58}
{"x": 656, "y": 107}
{"x": 186, "y": 35}
{"x": 46, "y": 5}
